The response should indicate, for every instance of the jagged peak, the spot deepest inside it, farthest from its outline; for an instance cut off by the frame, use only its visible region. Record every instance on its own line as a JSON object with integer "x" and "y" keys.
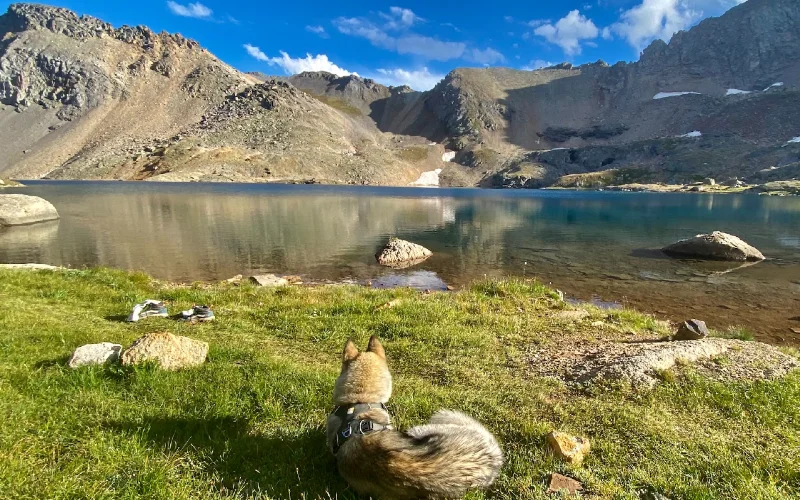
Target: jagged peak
{"x": 30, "y": 16}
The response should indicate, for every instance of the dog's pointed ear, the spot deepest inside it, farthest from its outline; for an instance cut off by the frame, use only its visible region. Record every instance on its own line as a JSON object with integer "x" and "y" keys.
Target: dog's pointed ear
{"x": 376, "y": 347}
{"x": 350, "y": 351}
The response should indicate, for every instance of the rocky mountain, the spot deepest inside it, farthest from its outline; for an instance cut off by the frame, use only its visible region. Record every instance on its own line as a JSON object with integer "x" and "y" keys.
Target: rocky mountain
{"x": 81, "y": 99}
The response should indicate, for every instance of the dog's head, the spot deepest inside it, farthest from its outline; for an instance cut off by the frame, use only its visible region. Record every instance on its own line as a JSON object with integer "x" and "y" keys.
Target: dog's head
{"x": 365, "y": 376}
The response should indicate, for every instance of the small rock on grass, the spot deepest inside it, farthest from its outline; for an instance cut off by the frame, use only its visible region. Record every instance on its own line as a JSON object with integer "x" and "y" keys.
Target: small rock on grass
{"x": 390, "y": 304}
{"x": 94, "y": 354}
{"x": 560, "y": 483}
{"x": 268, "y": 280}
{"x": 569, "y": 448}
{"x": 692, "y": 329}
{"x": 171, "y": 352}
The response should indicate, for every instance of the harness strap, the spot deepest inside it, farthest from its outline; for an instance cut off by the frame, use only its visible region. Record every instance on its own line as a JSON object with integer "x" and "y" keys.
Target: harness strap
{"x": 353, "y": 426}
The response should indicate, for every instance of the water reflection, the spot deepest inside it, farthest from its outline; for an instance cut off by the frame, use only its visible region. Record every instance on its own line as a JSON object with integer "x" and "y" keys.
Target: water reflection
{"x": 585, "y": 243}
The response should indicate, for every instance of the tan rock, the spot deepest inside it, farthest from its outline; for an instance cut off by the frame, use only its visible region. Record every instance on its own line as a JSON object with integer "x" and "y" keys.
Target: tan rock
{"x": 560, "y": 483}
{"x": 171, "y": 352}
{"x": 569, "y": 448}
{"x": 268, "y": 280}
{"x": 401, "y": 253}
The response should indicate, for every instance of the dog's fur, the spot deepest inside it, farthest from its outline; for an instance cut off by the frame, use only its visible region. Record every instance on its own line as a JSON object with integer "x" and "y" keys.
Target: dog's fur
{"x": 444, "y": 458}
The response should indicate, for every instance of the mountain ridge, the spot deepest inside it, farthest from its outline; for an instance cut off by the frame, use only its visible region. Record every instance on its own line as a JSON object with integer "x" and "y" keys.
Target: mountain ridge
{"x": 730, "y": 86}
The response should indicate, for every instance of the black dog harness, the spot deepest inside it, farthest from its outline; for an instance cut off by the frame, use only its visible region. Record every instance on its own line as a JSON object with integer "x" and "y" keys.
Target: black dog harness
{"x": 352, "y": 426}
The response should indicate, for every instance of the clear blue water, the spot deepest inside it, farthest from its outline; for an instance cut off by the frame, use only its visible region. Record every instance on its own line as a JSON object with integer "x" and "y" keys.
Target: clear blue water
{"x": 599, "y": 245}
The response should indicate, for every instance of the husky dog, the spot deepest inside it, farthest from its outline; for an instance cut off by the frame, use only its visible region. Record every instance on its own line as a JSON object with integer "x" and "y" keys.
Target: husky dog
{"x": 444, "y": 458}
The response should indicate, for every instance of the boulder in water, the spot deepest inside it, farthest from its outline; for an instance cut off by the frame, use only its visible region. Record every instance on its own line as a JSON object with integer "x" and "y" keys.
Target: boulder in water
{"x": 714, "y": 246}
{"x": 20, "y": 209}
{"x": 401, "y": 253}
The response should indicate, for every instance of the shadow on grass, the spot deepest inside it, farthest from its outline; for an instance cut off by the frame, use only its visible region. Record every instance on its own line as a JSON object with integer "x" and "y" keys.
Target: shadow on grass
{"x": 118, "y": 318}
{"x": 50, "y": 363}
{"x": 296, "y": 463}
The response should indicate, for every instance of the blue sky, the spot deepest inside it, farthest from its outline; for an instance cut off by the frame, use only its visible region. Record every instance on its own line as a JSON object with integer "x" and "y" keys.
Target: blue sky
{"x": 410, "y": 42}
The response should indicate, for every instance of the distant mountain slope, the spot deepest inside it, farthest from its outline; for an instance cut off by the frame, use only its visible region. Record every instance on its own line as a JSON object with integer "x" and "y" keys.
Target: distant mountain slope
{"x": 80, "y": 99}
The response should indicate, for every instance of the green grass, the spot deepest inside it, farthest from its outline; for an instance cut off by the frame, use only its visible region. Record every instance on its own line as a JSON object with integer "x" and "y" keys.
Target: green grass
{"x": 413, "y": 153}
{"x": 338, "y": 104}
{"x": 249, "y": 423}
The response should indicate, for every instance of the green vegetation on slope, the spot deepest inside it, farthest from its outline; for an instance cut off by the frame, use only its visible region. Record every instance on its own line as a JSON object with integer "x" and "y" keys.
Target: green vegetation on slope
{"x": 249, "y": 423}
{"x": 337, "y": 103}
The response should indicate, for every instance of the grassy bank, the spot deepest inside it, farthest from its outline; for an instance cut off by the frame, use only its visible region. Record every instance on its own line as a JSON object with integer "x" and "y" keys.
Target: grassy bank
{"x": 249, "y": 423}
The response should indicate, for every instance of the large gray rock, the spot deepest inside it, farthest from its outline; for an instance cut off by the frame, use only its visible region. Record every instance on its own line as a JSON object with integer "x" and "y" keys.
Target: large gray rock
{"x": 692, "y": 329}
{"x": 171, "y": 352}
{"x": 400, "y": 253}
{"x": 714, "y": 246}
{"x": 94, "y": 354}
{"x": 18, "y": 209}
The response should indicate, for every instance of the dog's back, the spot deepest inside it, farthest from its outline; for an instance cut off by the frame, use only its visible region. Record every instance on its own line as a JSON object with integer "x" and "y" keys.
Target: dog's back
{"x": 442, "y": 459}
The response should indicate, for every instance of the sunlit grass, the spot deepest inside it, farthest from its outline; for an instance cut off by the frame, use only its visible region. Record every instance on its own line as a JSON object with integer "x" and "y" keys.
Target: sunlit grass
{"x": 249, "y": 423}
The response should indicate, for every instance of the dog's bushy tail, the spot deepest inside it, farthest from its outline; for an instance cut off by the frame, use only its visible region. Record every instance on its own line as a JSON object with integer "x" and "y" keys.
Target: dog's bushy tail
{"x": 463, "y": 446}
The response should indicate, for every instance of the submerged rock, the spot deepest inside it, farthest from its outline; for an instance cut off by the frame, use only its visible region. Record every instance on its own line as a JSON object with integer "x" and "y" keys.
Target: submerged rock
{"x": 570, "y": 448}
{"x": 692, "y": 329}
{"x": 401, "y": 253}
{"x": 19, "y": 209}
{"x": 714, "y": 246}
{"x": 171, "y": 352}
{"x": 94, "y": 354}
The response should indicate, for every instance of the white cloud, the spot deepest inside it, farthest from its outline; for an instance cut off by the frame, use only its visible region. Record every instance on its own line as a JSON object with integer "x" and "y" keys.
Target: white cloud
{"x": 569, "y": 31}
{"x": 364, "y": 29}
{"x": 430, "y": 48}
{"x": 255, "y": 52}
{"x": 453, "y": 26}
{"x": 421, "y": 79}
{"x": 408, "y": 43}
{"x": 399, "y": 18}
{"x": 508, "y": 19}
{"x": 292, "y": 66}
{"x": 538, "y": 22}
{"x": 487, "y": 56}
{"x": 317, "y": 30}
{"x": 537, "y": 64}
{"x": 196, "y": 10}
{"x": 654, "y": 19}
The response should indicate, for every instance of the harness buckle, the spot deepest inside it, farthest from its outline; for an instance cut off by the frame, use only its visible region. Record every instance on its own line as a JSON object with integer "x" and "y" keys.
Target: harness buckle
{"x": 369, "y": 426}
{"x": 347, "y": 432}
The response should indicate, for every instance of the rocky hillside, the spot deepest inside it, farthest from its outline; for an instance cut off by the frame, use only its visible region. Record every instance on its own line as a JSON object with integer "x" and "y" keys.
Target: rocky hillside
{"x": 81, "y": 99}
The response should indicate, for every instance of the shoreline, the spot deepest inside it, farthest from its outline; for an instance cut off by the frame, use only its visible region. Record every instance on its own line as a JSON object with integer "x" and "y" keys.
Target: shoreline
{"x": 773, "y": 188}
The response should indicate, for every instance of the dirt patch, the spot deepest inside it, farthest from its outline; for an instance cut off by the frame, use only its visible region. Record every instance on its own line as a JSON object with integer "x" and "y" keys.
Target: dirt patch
{"x": 643, "y": 362}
